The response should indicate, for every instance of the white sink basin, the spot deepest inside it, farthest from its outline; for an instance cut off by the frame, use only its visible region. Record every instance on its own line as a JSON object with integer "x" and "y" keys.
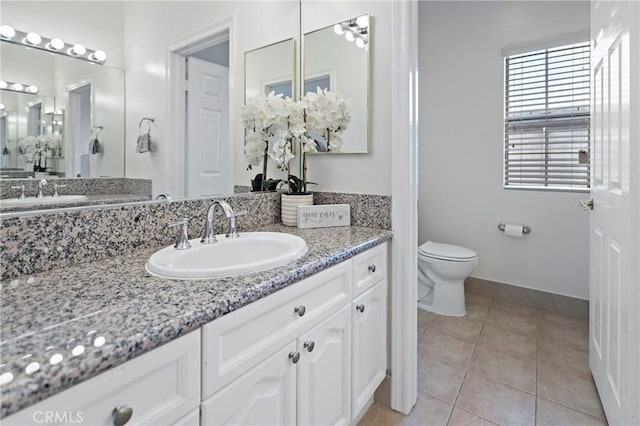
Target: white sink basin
{"x": 33, "y": 201}
{"x": 250, "y": 252}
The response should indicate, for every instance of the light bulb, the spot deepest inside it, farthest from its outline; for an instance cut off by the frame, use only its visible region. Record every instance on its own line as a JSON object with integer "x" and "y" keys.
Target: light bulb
{"x": 3, "y": 84}
{"x": 17, "y": 87}
{"x": 32, "y": 89}
{"x": 7, "y": 32}
{"x": 349, "y": 36}
{"x": 362, "y": 21}
{"x": 56, "y": 44}
{"x": 78, "y": 49}
{"x": 2, "y": 106}
{"x": 360, "y": 42}
{"x": 337, "y": 28}
{"x": 34, "y": 38}
{"x": 99, "y": 56}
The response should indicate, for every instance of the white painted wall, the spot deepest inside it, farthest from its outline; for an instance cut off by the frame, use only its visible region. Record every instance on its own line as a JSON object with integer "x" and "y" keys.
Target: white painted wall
{"x": 461, "y": 199}
{"x": 360, "y": 173}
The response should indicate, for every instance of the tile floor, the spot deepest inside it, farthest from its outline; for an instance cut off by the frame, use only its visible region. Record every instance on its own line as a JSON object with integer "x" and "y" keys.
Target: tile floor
{"x": 505, "y": 364}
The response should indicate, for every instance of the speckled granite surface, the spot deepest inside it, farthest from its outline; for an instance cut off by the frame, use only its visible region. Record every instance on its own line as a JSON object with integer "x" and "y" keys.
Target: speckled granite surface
{"x": 43, "y": 241}
{"x": 78, "y": 186}
{"x": 366, "y": 209}
{"x": 92, "y": 200}
{"x": 116, "y": 299}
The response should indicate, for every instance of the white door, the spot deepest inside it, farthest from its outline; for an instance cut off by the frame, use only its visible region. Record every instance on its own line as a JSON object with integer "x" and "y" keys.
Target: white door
{"x": 324, "y": 372}
{"x": 264, "y": 395}
{"x": 614, "y": 271}
{"x": 207, "y": 150}
{"x": 369, "y": 320}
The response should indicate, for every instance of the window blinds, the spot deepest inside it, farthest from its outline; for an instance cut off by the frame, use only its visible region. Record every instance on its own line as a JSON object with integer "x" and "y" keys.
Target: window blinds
{"x": 547, "y": 120}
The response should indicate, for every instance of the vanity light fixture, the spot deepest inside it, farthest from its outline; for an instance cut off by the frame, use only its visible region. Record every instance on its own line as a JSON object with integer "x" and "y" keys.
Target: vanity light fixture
{"x": 54, "y": 45}
{"x": 31, "y": 89}
{"x": 354, "y": 30}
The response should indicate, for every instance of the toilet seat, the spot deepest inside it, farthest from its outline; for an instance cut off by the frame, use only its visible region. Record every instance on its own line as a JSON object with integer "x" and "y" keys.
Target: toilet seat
{"x": 448, "y": 252}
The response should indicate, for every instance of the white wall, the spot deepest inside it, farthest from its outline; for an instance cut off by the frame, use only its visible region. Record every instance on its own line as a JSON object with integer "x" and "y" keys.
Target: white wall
{"x": 361, "y": 173}
{"x": 461, "y": 199}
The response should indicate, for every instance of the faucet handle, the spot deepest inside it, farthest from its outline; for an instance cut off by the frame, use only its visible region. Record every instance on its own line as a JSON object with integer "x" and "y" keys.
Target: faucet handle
{"x": 22, "y": 195}
{"x": 55, "y": 189}
{"x": 182, "y": 239}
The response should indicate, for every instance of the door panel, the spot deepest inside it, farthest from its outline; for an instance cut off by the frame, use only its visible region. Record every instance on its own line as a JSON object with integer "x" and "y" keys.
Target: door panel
{"x": 207, "y": 151}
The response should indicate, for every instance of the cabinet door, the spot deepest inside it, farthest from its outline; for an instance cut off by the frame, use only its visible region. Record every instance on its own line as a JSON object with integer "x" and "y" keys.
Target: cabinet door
{"x": 369, "y": 321}
{"x": 264, "y": 395}
{"x": 324, "y": 372}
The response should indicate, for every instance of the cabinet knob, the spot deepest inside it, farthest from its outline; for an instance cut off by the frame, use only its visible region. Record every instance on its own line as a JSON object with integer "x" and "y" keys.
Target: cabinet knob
{"x": 309, "y": 345}
{"x": 121, "y": 415}
{"x": 372, "y": 268}
{"x": 300, "y": 310}
{"x": 294, "y": 357}
{"x": 360, "y": 308}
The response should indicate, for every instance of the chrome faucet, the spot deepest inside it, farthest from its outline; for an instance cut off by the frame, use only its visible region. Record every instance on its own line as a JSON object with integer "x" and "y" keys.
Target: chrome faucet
{"x": 41, "y": 184}
{"x": 209, "y": 236}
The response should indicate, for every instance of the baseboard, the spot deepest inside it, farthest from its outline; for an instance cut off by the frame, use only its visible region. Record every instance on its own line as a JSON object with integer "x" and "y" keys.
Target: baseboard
{"x": 556, "y": 303}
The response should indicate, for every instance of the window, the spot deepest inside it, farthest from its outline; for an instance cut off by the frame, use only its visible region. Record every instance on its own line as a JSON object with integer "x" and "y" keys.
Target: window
{"x": 546, "y": 118}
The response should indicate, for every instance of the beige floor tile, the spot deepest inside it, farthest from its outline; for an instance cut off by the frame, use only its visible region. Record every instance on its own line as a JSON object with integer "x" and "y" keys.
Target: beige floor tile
{"x": 388, "y": 417}
{"x": 512, "y": 343}
{"x": 382, "y": 395}
{"x": 457, "y": 327}
{"x": 515, "y": 308}
{"x": 369, "y": 419}
{"x": 459, "y": 417}
{"x": 551, "y": 414}
{"x": 446, "y": 348}
{"x": 476, "y": 312}
{"x": 424, "y": 319}
{"x": 569, "y": 360}
{"x": 439, "y": 379}
{"x": 429, "y": 411}
{"x": 496, "y": 402}
{"x": 505, "y": 369}
{"x": 512, "y": 321}
{"x": 570, "y": 391}
{"x": 564, "y": 321}
{"x": 560, "y": 332}
{"x": 477, "y": 299}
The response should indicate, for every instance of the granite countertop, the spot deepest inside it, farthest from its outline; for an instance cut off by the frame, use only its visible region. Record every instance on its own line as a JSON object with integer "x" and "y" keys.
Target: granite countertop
{"x": 90, "y": 201}
{"x": 117, "y": 303}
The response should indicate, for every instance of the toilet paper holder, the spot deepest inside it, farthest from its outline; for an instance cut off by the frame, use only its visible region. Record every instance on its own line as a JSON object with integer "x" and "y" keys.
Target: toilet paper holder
{"x": 525, "y": 228}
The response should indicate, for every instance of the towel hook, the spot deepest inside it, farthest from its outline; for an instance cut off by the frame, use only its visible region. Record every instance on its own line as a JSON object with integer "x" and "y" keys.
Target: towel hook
{"x": 149, "y": 120}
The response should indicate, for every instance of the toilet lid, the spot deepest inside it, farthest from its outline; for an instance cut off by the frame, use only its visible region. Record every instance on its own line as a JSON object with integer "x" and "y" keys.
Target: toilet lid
{"x": 446, "y": 251}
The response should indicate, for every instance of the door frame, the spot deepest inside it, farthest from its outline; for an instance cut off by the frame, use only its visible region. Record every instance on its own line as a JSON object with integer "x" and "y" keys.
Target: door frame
{"x": 173, "y": 173}
{"x": 404, "y": 206}
{"x": 70, "y": 149}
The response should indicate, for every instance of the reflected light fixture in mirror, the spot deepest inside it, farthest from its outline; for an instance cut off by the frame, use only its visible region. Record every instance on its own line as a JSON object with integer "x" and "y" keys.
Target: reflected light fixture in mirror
{"x": 55, "y": 45}
{"x": 19, "y": 87}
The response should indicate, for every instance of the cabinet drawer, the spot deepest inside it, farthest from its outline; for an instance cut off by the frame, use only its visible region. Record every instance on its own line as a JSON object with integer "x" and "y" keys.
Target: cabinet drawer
{"x": 161, "y": 387}
{"x": 236, "y": 342}
{"x": 369, "y": 268}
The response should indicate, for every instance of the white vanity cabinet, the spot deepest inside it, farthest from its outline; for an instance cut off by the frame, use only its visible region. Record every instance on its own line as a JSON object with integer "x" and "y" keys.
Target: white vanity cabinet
{"x": 311, "y": 354}
{"x": 161, "y": 387}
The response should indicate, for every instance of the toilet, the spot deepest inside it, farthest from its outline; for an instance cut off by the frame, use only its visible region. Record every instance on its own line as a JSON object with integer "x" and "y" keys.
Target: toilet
{"x": 442, "y": 269}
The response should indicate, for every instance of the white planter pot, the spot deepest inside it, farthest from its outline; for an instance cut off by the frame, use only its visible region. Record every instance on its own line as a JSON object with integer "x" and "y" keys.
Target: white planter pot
{"x": 289, "y": 207}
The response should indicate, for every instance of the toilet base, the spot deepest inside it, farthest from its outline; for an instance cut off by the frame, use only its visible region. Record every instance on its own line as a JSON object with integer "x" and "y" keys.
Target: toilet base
{"x": 429, "y": 308}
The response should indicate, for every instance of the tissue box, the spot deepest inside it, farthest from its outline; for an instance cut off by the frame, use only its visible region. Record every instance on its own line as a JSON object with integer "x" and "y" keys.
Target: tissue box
{"x": 324, "y": 216}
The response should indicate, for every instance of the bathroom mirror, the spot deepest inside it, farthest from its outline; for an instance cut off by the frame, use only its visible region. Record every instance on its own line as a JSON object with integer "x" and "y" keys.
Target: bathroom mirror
{"x": 84, "y": 101}
{"x": 270, "y": 69}
{"x": 337, "y": 58}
